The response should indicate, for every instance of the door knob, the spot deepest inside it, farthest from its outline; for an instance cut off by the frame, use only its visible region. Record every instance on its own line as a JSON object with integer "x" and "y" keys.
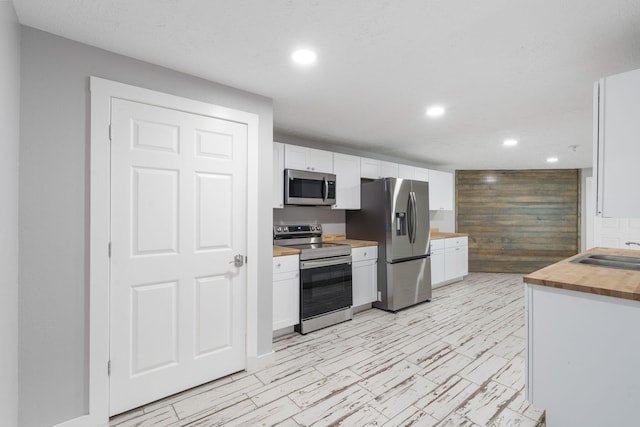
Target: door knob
{"x": 238, "y": 260}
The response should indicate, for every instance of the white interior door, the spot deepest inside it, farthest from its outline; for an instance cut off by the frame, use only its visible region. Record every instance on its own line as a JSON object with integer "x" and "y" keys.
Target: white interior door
{"x": 178, "y": 218}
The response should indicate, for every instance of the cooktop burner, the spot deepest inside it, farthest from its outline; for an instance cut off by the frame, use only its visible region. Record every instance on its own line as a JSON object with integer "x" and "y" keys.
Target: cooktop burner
{"x": 308, "y": 239}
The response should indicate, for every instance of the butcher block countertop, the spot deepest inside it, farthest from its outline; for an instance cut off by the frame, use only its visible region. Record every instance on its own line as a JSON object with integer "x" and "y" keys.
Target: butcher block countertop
{"x": 438, "y": 235}
{"x": 333, "y": 238}
{"x": 589, "y": 278}
{"x": 342, "y": 239}
{"x": 282, "y": 251}
{"x": 356, "y": 243}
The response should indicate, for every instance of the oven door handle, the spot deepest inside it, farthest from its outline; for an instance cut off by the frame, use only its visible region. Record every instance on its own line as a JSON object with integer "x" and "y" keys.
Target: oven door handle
{"x": 305, "y": 265}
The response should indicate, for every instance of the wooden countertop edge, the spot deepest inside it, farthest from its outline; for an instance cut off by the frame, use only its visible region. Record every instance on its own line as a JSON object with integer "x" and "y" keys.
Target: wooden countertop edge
{"x": 595, "y": 280}
{"x": 583, "y": 288}
{"x": 283, "y": 251}
{"x": 440, "y": 235}
{"x": 356, "y": 243}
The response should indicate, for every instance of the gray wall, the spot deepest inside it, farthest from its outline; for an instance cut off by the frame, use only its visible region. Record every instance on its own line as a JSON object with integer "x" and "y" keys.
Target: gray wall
{"x": 9, "y": 138}
{"x": 54, "y": 211}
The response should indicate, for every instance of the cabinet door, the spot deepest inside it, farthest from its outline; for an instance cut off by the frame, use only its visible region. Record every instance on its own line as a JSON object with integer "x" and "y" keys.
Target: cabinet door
{"x": 406, "y": 172}
{"x": 320, "y": 160}
{"x": 437, "y": 267}
{"x": 311, "y": 159}
{"x": 388, "y": 169}
{"x": 347, "y": 170}
{"x": 364, "y": 282}
{"x": 617, "y": 146}
{"x": 440, "y": 190}
{"x": 364, "y": 275}
{"x": 295, "y": 157}
{"x": 286, "y": 291}
{"x": 278, "y": 175}
{"x": 450, "y": 264}
{"x": 369, "y": 168}
{"x": 421, "y": 174}
{"x": 286, "y": 300}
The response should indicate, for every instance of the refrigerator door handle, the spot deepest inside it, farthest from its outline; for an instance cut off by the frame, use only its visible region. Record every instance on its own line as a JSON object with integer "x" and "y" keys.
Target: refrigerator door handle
{"x": 409, "y": 220}
{"x": 414, "y": 215}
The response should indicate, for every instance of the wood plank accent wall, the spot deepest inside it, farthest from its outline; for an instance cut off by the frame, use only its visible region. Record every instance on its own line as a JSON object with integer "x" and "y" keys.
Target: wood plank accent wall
{"x": 518, "y": 221}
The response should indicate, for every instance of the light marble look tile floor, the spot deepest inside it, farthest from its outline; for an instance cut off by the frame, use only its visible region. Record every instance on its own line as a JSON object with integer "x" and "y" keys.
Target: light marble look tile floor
{"x": 455, "y": 361}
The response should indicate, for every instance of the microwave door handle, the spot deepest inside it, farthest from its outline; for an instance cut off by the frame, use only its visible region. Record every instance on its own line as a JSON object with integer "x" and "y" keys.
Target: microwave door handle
{"x": 325, "y": 186}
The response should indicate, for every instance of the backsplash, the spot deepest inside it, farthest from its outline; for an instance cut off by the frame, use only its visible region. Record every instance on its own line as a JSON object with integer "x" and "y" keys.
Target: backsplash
{"x": 333, "y": 220}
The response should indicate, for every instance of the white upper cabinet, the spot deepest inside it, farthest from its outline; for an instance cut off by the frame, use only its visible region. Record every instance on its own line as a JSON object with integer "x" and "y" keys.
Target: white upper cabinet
{"x": 413, "y": 172}
{"x": 347, "y": 170}
{"x": 374, "y": 169}
{"x": 405, "y": 172}
{"x": 388, "y": 169}
{"x": 369, "y": 168}
{"x": 616, "y": 145}
{"x": 278, "y": 175}
{"x": 421, "y": 174}
{"x": 440, "y": 191}
{"x": 310, "y": 159}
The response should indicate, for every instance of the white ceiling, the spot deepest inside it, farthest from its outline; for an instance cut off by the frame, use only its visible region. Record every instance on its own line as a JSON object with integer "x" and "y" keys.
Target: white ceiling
{"x": 503, "y": 68}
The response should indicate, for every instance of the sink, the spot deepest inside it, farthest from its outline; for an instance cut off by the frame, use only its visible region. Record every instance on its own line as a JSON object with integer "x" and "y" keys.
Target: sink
{"x": 609, "y": 261}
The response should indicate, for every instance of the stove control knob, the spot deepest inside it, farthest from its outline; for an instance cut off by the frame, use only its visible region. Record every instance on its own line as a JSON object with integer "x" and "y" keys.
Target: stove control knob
{"x": 278, "y": 229}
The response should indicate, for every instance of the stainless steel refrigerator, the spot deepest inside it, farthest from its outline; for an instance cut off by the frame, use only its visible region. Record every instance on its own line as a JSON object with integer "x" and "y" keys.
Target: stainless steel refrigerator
{"x": 395, "y": 213}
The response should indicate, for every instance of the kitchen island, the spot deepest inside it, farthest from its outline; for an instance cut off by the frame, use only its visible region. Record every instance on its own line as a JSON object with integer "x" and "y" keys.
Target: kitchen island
{"x": 583, "y": 343}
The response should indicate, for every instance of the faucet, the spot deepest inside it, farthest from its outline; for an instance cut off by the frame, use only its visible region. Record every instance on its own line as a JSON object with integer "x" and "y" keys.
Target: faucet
{"x": 632, "y": 243}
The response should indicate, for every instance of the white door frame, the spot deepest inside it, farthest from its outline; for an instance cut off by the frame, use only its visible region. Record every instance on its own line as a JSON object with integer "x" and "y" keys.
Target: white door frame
{"x": 102, "y": 91}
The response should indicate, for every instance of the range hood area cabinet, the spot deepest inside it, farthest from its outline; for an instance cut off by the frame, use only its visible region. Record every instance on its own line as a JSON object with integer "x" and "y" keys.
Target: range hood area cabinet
{"x": 617, "y": 145}
{"x": 309, "y": 159}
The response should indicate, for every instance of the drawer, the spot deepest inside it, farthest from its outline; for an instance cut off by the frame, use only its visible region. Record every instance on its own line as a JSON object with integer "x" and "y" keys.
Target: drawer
{"x": 362, "y": 254}
{"x": 456, "y": 242}
{"x": 283, "y": 264}
{"x": 437, "y": 244}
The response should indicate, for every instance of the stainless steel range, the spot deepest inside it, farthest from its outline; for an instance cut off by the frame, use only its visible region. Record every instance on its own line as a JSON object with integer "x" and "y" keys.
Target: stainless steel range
{"x": 325, "y": 276}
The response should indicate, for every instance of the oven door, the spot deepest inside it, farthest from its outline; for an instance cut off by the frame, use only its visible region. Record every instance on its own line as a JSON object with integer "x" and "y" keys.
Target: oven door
{"x": 325, "y": 286}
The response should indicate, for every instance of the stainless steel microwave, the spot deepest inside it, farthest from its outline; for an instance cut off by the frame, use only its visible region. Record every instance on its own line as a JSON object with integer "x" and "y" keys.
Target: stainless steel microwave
{"x": 309, "y": 188}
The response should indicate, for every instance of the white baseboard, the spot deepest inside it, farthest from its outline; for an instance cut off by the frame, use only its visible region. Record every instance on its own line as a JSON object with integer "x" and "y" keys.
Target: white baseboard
{"x": 255, "y": 363}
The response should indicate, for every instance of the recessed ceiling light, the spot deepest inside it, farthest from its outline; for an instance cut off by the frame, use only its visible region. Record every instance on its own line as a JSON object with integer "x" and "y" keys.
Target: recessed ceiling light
{"x": 510, "y": 142}
{"x": 435, "y": 111}
{"x": 552, "y": 159}
{"x": 304, "y": 56}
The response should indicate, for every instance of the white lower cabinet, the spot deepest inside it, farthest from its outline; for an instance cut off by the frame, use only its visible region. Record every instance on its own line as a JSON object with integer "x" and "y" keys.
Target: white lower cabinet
{"x": 286, "y": 291}
{"x": 437, "y": 262}
{"x": 449, "y": 260}
{"x": 581, "y": 356}
{"x": 364, "y": 275}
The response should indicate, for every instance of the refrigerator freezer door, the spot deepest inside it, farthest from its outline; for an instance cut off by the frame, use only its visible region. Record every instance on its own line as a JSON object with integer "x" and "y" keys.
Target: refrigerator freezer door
{"x": 407, "y": 283}
{"x": 422, "y": 227}
{"x": 398, "y": 194}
